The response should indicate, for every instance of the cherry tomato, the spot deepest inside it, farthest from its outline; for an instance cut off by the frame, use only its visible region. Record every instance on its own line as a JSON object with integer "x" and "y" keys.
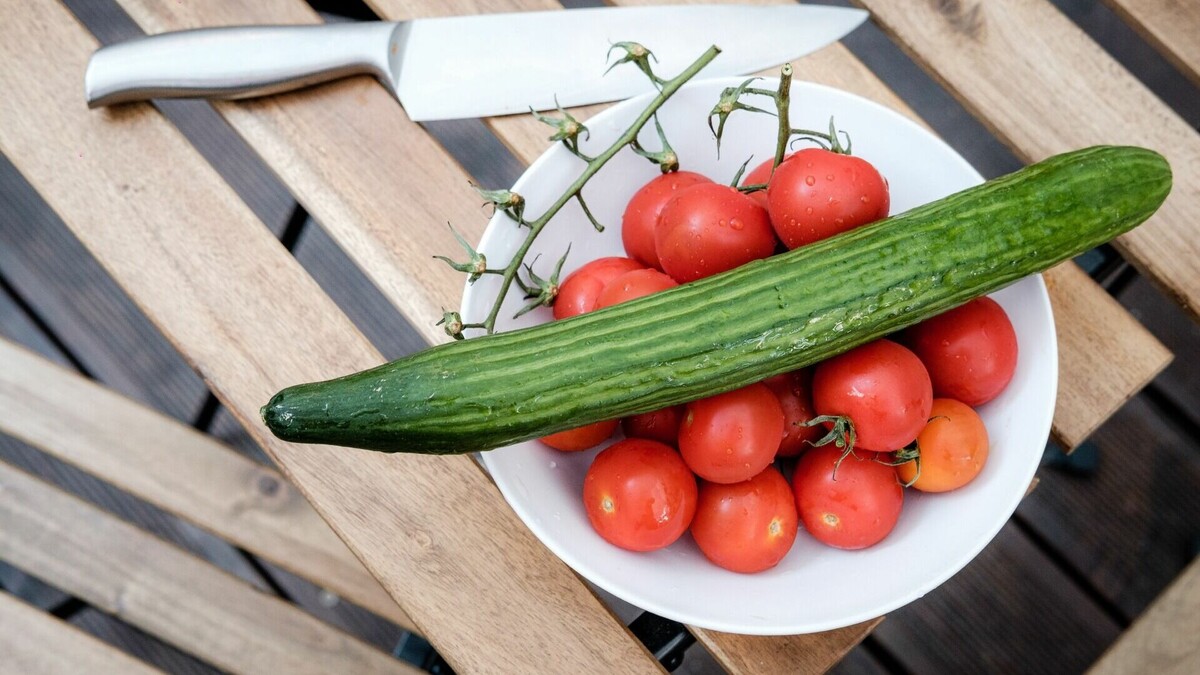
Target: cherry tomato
{"x": 731, "y": 437}
{"x": 748, "y": 526}
{"x": 818, "y": 193}
{"x": 794, "y": 393}
{"x": 882, "y": 387}
{"x": 760, "y": 176}
{"x": 970, "y": 351}
{"x": 709, "y": 228}
{"x": 953, "y": 447}
{"x": 853, "y": 509}
{"x": 581, "y": 438}
{"x": 633, "y": 285}
{"x": 641, "y": 214}
{"x": 639, "y": 494}
{"x": 660, "y": 425}
{"x": 577, "y": 293}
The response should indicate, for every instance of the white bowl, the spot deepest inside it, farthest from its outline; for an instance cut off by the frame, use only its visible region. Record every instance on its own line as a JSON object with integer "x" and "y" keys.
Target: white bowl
{"x": 815, "y": 588}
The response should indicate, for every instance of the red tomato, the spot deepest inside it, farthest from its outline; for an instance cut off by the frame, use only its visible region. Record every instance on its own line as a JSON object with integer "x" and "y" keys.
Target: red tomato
{"x": 639, "y": 494}
{"x": 795, "y": 397}
{"x": 970, "y": 351}
{"x": 577, "y": 293}
{"x": 641, "y": 214}
{"x": 660, "y": 425}
{"x": 633, "y": 285}
{"x": 854, "y": 509}
{"x": 731, "y": 437}
{"x": 761, "y": 175}
{"x": 710, "y": 228}
{"x": 882, "y": 387}
{"x": 818, "y": 193}
{"x": 749, "y": 526}
{"x": 953, "y": 448}
{"x": 581, "y": 438}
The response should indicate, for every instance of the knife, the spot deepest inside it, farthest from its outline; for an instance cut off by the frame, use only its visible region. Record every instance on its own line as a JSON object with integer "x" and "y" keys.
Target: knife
{"x": 464, "y": 66}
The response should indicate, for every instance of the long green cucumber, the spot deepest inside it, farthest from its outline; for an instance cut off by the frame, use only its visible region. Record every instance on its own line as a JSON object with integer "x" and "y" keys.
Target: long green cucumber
{"x": 732, "y": 329}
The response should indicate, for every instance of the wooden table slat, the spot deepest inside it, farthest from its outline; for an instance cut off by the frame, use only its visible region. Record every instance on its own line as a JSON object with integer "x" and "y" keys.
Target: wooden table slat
{"x": 1163, "y": 639}
{"x": 179, "y": 470}
{"x": 221, "y": 287}
{"x": 1073, "y": 94}
{"x": 33, "y": 641}
{"x": 166, "y": 592}
{"x": 1172, "y": 26}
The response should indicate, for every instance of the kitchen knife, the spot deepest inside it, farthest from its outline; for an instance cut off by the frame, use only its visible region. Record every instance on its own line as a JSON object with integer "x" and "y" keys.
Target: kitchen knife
{"x": 464, "y": 66}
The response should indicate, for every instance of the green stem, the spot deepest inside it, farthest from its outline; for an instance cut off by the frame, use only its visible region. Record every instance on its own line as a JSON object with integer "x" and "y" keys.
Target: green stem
{"x": 594, "y": 164}
{"x": 782, "y": 101}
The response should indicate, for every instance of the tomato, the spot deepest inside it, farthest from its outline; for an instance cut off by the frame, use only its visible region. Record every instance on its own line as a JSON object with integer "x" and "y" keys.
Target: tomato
{"x": 581, "y": 438}
{"x": 953, "y": 448}
{"x": 794, "y": 393}
{"x": 853, "y": 509}
{"x": 633, "y": 285}
{"x": 639, "y": 494}
{"x": 710, "y": 228}
{"x": 761, "y": 175}
{"x": 817, "y": 193}
{"x": 577, "y": 293}
{"x": 660, "y": 425}
{"x": 970, "y": 351}
{"x": 882, "y": 387}
{"x": 641, "y": 214}
{"x": 748, "y": 526}
{"x": 731, "y": 437}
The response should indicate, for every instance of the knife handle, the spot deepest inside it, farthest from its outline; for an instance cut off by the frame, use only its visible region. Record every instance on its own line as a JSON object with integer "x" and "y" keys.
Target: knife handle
{"x": 239, "y": 62}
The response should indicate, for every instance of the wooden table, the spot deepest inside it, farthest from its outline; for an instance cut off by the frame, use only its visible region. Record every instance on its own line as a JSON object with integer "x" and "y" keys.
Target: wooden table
{"x": 231, "y": 298}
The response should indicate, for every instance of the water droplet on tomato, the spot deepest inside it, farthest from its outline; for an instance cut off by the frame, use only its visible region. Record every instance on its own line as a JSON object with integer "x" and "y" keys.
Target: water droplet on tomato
{"x": 828, "y": 176}
{"x": 865, "y": 199}
{"x": 807, "y": 211}
{"x": 810, "y": 180}
{"x": 736, "y": 224}
{"x": 721, "y": 222}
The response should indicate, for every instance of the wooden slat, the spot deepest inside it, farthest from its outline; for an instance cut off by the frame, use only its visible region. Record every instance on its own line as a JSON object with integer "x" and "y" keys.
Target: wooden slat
{"x": 433, "y": 529}
{"x": 1163, "y": 640}
{"x": 1104, "y": 355}
{"x": 179, "y": 470}
{"x": 32, "y": 641}
{"x": 166, "y": 592}
{"x": 1172, "y": 26}
{"x": 1045, "y": 87}
{"x": 792, "y": 655}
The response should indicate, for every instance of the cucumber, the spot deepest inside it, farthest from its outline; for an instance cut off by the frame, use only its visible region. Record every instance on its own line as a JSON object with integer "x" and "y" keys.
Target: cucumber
{"x": 735, "y": 328}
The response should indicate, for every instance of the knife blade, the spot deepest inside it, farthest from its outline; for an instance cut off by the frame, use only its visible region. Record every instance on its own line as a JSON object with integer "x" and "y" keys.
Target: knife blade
{"x": 464, "y": 66}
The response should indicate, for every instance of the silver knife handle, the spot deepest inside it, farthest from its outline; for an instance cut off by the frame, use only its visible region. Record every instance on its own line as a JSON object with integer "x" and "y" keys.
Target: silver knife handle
{"x": 237, "y": 62}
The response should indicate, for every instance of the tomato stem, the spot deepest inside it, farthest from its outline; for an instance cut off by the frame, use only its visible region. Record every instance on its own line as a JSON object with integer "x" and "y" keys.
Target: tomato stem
{"x": 569, "y": 132}
{"x": 841, "y": 434}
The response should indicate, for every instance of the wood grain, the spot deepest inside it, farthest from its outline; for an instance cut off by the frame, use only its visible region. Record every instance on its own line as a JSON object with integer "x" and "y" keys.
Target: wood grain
{"x": 1044, "y": 87}
{"x": 1172, "y": 26}
{"x": 165, "y": 591}
{"x": 791, "y": 655}
{"x": 212, "y": 277}
{"x": 1163, "y": 640}
{"x": 179, "y": 470}
{"x": 33, "y": 641}
{"x": 1141, "y": 504}
{"x": 1011, "y": 610}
